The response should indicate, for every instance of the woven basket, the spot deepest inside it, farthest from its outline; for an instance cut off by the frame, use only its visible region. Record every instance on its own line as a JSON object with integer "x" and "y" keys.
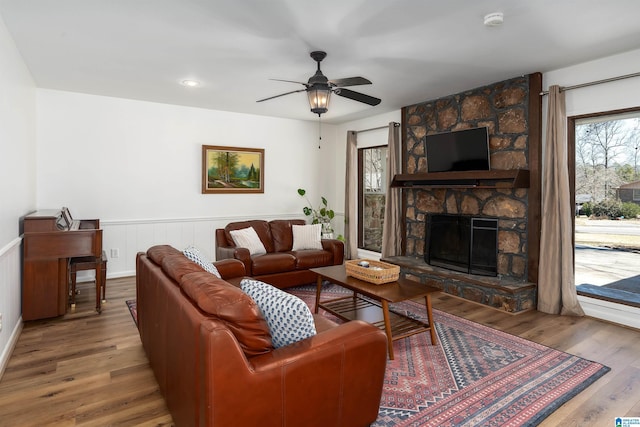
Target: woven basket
{"x": 377, "y": 273}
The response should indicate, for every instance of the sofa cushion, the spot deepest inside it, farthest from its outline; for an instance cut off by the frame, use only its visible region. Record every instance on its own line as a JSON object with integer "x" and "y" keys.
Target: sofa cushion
{"x": 198, "y": 257}
{"x": 262, "y": 229}
{"x": 275, "y": 262}
{"x": 158, "y": 252}
{"x": 312, "y": 258}
{"x": 306, "y": 236}
{"x": 248, "y": 238}
{"x": 288, "y": 317}
{"x": 176, "y": 266}
{"x": 235, "y": 308}
{"x": 282, "y": 234}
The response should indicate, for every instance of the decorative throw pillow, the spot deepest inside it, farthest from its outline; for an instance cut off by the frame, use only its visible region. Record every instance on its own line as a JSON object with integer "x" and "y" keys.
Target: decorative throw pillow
{"x": 248, "y": 238}
{"x": 196, "y": 256}
{"x": 288, "y": 317}
{"x": 306, "y": 236}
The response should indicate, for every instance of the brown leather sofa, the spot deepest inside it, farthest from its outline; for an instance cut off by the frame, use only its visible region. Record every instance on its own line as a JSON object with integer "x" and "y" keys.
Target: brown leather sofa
{"x": 280, "y": 266}
{"x": 211, "y": 352}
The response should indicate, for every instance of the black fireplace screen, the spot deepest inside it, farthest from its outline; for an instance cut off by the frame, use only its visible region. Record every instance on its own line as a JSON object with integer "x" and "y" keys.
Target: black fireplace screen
{"x": 462, "y": 243}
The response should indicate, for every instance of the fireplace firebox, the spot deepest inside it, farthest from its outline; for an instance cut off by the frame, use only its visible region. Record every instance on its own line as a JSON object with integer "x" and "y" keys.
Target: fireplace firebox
{"x": 462, "y": 243}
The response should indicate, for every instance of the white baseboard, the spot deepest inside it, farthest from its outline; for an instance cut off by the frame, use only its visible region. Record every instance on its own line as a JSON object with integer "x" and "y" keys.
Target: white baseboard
{"x": 616, "y": 313}
{"x": 120, "y": 274}
{"x": 8, "y": 350}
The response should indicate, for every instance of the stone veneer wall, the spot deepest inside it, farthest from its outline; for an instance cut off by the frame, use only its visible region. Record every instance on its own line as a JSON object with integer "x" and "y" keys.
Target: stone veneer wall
{"x": 503, "y": 108}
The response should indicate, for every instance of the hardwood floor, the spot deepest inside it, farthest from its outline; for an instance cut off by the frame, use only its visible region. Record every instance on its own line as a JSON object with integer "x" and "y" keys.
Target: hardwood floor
{"x": 89, "y": 369}
{"x": 84, "y": 369}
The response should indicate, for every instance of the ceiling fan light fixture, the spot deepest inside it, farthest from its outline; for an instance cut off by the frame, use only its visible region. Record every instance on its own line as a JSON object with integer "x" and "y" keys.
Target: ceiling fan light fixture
{"x": 319, "y": 98}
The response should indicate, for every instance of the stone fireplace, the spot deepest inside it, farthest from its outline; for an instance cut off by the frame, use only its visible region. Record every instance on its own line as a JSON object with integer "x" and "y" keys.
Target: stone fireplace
{"x": 511, "y": 110}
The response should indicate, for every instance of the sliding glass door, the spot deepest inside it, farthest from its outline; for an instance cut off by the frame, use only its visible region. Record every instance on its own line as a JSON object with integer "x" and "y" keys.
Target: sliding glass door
{"x": 606, "y": 189}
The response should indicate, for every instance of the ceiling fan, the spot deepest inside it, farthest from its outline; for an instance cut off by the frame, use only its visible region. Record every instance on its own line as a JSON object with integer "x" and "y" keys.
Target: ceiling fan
{"x": 319, "y": 88}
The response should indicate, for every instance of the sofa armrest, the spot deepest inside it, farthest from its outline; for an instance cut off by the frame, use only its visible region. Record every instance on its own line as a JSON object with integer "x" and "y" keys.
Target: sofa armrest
{"x": 340, "y": 370}
{"x": 229, "y": 268}
{"x": 347, "y": 361}
{"x": 242, "y": 254}
{"x": 336, "y": 247}
{"x": 225, "y": 250}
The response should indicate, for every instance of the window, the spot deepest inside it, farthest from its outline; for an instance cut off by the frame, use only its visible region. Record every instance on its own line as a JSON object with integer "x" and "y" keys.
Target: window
{"x": 636, "y": 195}
{"x": 372, "y": 189}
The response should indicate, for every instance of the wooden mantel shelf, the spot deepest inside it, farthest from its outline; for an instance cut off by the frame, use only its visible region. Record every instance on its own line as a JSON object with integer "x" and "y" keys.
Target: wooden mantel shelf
{"x": 514, "y": 178}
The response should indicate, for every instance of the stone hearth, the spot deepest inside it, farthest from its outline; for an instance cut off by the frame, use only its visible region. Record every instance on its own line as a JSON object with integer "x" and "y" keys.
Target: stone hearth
{"x": 503, "y": 294}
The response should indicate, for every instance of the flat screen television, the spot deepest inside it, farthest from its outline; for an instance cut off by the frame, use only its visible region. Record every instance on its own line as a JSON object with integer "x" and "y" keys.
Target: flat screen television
{"x": 463, "y": 150}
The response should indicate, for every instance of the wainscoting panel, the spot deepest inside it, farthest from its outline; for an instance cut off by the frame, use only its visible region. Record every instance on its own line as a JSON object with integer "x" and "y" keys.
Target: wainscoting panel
{"x": 10, "y": 299}
{"x": 122, "y": 240}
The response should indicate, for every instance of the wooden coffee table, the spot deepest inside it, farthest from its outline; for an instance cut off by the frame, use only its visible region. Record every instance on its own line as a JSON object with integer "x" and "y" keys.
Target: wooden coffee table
{"x": 354, "y": 307}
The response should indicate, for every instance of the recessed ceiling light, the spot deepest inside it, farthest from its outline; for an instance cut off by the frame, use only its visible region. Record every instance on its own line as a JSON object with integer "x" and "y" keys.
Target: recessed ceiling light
{"x": 190, "y": 83}
{"x": 493, "y": 19}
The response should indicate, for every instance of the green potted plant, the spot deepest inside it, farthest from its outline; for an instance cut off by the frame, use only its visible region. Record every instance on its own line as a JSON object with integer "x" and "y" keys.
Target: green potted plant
{"x": 321, "y": 215}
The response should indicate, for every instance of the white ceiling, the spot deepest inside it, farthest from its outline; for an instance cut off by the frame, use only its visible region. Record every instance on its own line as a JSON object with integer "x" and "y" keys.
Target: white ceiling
{"x": 412, "y": 50}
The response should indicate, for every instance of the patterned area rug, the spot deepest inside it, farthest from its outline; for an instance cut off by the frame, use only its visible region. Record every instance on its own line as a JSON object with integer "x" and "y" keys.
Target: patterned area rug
{"x": 133, "y": 310}
{"x": 474, "y": 376}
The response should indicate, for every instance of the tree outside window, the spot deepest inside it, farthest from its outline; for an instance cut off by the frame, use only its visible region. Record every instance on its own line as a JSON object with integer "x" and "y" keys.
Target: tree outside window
{"x": 606, "y": 155}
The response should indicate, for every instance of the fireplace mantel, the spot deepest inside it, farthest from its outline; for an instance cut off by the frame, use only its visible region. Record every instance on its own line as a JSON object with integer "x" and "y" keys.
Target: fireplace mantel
{"x": 513, "y": 178}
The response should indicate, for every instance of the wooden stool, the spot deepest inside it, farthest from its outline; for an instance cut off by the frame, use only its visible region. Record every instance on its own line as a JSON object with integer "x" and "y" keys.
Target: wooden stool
{"x": 99, "y": 264}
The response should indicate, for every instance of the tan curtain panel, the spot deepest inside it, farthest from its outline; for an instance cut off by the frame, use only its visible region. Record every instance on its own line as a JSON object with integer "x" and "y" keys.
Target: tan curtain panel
{"x": 351, "y": 197}
{"x": 391, "y": 228}
{"x": 556, "y": 284}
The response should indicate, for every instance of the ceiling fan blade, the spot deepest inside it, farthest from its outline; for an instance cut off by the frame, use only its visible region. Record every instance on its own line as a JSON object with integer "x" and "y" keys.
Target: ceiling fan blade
{"x": 349, "y": 81}
{"x": 290, "y": 81}
{"x": 282, "y": 94}
{"x": 357, "y": 96}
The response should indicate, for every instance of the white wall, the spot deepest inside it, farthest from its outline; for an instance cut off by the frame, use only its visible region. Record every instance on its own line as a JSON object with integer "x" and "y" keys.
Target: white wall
{"x": 603, "y": 97}
{"x": 138, "y": 167}
{"x": 122, "y": 159}
{"x": 17, "y": 138}
{"x": 17, "y": 181}
{"x": 325, "y": 143}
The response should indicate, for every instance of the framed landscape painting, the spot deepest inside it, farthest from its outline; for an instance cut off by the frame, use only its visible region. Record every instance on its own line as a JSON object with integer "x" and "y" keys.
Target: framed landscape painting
{"x": 232, "y": 170}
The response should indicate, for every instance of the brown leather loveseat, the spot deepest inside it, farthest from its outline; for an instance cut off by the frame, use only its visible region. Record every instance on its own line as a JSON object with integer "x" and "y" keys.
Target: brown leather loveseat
{"x": 280, "y": 266}
{"x": 211, "y": 352}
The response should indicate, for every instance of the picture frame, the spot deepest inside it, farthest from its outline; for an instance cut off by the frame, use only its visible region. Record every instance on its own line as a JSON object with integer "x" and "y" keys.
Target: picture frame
{"x": 232, "y": 170}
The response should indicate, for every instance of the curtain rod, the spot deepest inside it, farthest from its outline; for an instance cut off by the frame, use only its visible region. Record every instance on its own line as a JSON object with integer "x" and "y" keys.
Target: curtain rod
{"x": 395, "y": 124}
{"x": 597, "y": 82}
